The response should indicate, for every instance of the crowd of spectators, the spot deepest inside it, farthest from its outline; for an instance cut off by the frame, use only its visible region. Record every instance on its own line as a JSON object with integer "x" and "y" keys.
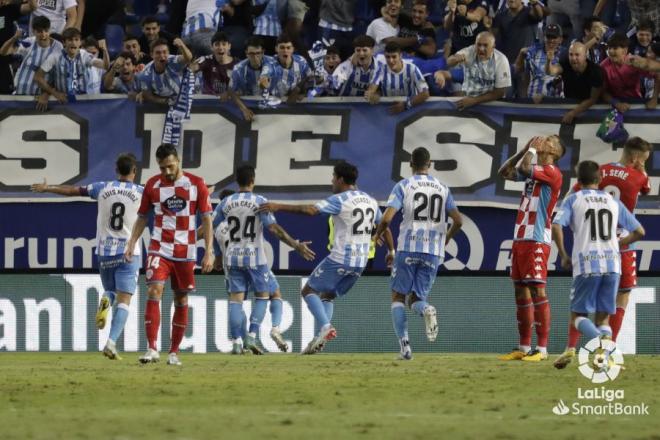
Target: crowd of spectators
{"x": 583, "y": 50}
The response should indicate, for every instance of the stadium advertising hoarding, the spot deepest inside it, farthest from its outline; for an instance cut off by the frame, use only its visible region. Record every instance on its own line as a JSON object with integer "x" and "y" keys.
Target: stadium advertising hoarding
{"x": 62, "y": 236}
{"x": 294, "y": 149}
{"x": 56, "y": 313}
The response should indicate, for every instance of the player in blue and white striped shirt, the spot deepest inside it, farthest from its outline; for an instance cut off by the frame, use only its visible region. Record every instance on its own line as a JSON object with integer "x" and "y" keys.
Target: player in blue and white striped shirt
{"x": 245, "y": 257}
{"x": 118, "y": 203}
{"x": 353, "y": 76}
{"x": 398, "y": 78}
{"x": 354, "y": 214}
{"x": 161, "y": 78}
{"x": 291, "y": 73}
{"x": 426, "y": 203}
{"x": 593, "y": 216}
{"x": 250, "y": 76}
{"x": 34, "y": 51}
{"x": 71, "y": 70}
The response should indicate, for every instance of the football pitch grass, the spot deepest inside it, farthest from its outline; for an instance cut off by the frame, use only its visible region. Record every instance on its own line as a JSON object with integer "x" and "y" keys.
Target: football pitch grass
{"x": 327, "y": 396}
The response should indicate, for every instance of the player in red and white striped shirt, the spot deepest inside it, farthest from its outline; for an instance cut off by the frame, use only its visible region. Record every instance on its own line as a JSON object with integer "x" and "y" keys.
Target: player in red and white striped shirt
{"x": 176, "y": 197}
{"x": 532, "y": 238}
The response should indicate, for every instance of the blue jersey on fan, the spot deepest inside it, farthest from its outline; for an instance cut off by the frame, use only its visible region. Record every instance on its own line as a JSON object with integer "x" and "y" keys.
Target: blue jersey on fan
{"x": 407, "y": 82}
{"x": 268, "y": 23}
{"x": 354, "y": 80}
{"x": 167, "y": 83}
{"x": 284, "y": 79}
{"x": 33, "y": 56}
{"x": 245, "y": 78}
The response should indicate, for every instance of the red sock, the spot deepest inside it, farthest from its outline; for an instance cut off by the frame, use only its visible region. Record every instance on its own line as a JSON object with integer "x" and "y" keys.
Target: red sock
{"x": 573, "y": 335}
{"x": 542, "y": 319}
{"x": 616, "y": 320}
{"x": 525, "y": 315}
{"x": 152, "y": 321}
{"x": 179, "y": 323}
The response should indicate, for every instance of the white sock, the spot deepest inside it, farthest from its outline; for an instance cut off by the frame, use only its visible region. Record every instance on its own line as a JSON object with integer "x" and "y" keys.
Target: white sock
{"x": 543, "y": 350}
{"x": 525, "y": 348}
{"x": 238, "y": 340}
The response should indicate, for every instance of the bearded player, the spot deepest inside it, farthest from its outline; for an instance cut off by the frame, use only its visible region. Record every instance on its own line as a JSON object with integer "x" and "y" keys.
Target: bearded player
{"x": 532, "y": 239}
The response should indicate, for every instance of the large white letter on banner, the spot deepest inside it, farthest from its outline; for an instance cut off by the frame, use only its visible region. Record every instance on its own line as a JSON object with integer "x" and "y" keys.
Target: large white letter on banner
{"x": 45, "y": 146}
{"x": 473, "y": 164}
{"x": 213, "y": 163}
{"x": 286, "y": 139}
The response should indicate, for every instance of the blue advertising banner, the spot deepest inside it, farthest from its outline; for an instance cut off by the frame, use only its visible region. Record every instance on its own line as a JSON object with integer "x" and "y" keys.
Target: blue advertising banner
{"x": 295, "y": 147}
{"x": 61, "y": 236}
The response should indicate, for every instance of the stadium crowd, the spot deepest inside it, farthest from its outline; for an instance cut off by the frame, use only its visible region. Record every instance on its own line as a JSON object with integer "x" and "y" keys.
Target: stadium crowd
{"x": 483, "y": 50}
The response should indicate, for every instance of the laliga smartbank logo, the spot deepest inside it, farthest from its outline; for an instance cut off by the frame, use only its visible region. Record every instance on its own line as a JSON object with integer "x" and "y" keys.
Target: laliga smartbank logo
{"x": 600, "y": 361}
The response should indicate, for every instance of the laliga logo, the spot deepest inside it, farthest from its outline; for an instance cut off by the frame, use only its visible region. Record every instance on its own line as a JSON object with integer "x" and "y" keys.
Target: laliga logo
{"x": 476, "y": 242}
{"x": 607, "y": 360}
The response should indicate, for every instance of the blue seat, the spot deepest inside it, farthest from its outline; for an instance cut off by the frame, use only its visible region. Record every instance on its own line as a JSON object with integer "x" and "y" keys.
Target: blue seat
{"x": 114, "y": 38}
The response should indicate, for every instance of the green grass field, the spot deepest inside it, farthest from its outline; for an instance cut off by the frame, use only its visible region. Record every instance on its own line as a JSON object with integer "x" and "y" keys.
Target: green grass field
{"x": 333, "y": 396}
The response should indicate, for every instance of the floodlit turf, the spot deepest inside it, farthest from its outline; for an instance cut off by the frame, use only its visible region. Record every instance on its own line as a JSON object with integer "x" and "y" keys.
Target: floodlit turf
{"x": 214, "y": 396}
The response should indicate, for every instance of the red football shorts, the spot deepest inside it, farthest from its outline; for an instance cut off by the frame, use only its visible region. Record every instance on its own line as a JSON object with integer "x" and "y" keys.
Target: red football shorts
{"x": 628, "y": 271}
{"x": 529, "y": 262}
{"x": 181, "y": 273}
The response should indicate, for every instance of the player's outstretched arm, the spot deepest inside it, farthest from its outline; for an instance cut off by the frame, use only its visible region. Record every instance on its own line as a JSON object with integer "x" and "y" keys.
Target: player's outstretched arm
{"x": 558, "y": 237}
{"x": 136, "y": 233}
{"x": 299, "y": 246}
{"x": 63, "y": 190}
{"x": 294, "y": 209}
{"x": 456, "y": 225}
{"x": 207, "y": 233}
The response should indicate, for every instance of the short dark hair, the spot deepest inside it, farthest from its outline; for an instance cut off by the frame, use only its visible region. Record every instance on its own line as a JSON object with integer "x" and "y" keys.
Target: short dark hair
{"x": 127, "y": 55}
{"x": 165, "y": 150}
{"x": 421, "y": 3}
{"x": 244, "y": 174}
{"x": 254, "y": 41}
{"x": 588, "y": 22}
{"x": 588, "y": 172}
{"x": 219, "y": 36}
{"x": 618, "y": 39}
{"x": 226, "y": 193}
{"x": 149, "y": 19}
{"x": 637, "y": 145}
{"x": 347, "y": 171}
{"x": 126, "y": 163}
{"x": 91, "y": 41}
{"x": 284, "y": 38}
{"x": 332, "y": 50}
{"x": 363, "y": 41}
{"x": 158, "y": 42}
{"x": 129, "y": 37}
{"x": 40, "y": 23}
{"x": 420, "y": 158}
{"x": 70, "y": 33}
{"x": 646, "y": 24}
{"x": 392, "y": 47}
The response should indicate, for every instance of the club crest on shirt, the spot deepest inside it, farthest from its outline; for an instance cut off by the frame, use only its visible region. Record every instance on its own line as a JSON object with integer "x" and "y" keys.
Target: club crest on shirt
{"x": 175, "y": 203}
